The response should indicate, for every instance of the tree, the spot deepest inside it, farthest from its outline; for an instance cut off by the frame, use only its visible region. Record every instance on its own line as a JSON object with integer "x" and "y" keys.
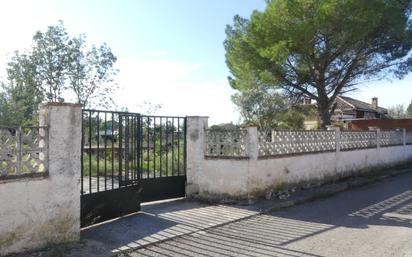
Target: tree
{"x": 56, "y": 66}
{"x": 20, "y": 97}
{"x": 65, "y": 64}
{"x": 397, "y": 112}
{"x": 409, "y": 110}
{"x": 91, "y": 72}
{"x": 50, "y": 56}
{"x": 320, "y": 49}
{"x": 267, "y": 108}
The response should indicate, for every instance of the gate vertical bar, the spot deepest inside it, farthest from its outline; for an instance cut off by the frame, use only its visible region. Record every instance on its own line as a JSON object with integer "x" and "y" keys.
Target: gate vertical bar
{"x": 185, "y": 146}
{"x": 90, "y": 151}
{"x": 105, "y": 151}
{"x": 120, "y": 150}
{"x": 81, "y": 158}
{"x": 134, "y": 142}
{"x": 113, "y": 156}
{"x": 178, "y": 146}
{"x": 154, "y": 147}
{"x": 126, "y": 148}
{"x": 140, "y": 130}
{"x": 167, "y": 147}
{"x": 138, "y": 138}
{"x": 98, "y": 151}
{"x": 148, "y": 148}
{"x": 161, "y": 147}
{"x": 173, "y": 147}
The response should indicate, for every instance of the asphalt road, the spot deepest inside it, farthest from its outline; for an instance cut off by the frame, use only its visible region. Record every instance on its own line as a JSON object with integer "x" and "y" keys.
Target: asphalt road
{"x": 375, "y": 220}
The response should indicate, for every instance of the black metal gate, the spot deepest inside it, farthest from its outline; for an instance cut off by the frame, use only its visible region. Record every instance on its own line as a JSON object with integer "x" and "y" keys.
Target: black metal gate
{"x": 163, "y": 157}
{"x": 128, "y": 158}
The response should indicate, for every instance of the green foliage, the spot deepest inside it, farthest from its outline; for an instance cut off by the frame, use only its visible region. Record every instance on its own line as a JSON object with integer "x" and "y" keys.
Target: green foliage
{"x": 64, "y": 63}
{"x": 20, "y": 98}
{"x": 267, "y": 108}
{"x": 320, "y": 49}
{"x": 293, "y": 118}
{"x": 50, "y": 57}
{"x": 160, "y": 160}
{"x": 56, "y": 65}
{"x": 409, "y": 110}
{"x": 90, "y": 73}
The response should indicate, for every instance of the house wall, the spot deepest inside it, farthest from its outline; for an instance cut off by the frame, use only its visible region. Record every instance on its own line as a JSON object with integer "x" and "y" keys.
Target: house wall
{"x": 280, "y": 172}
{"x": 38, "y": 211}
{"x": 383, "y": 124}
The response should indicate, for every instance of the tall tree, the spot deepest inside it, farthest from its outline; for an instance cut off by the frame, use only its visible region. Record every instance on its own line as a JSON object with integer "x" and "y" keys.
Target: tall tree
{"x": 20, "y": 96}
{"x": 50, "y": 56}
{"x": 66, "y": 64}
{"x": 320, "y": 48}
{"x": 409, "y": 110}
{"x": 397, "y": 112}
{"x": 56, "y": 66}
{"x": 90, "y": 73}
{"x": 267, "y": 108}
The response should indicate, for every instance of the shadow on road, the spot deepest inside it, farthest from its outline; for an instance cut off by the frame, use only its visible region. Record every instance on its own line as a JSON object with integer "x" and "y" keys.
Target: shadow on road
{"x": 388, "y": 203}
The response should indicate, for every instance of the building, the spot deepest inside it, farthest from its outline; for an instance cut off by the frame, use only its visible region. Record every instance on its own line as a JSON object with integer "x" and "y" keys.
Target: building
{"x": 349, "y": 109}
{"x": 382, "y": 124}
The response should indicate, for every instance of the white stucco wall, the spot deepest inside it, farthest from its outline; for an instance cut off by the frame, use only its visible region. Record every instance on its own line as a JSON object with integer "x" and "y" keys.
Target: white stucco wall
{"x": 195, "y": 147}
{"x": 266, "y": 173}
{"x": 240, "y": 178}
{"x": 36, "y": 212}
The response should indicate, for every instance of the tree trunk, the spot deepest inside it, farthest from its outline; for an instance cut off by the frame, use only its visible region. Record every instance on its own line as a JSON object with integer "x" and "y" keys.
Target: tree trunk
{"x": 325, "y": 114}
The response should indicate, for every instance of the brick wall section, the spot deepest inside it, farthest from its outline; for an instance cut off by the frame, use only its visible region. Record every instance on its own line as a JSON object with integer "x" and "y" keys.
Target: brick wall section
{"x": 385, "y": 124}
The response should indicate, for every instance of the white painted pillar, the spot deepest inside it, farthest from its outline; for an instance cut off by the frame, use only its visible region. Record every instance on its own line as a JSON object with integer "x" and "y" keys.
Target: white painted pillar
{"x": 195, "y": 144}
{"x": 252, "y": 146}
{"x": 378, "y": 138}
{"x": 64, "y": 122}
{"x": 337, "y": 139}
{"x": 404, "y": 137}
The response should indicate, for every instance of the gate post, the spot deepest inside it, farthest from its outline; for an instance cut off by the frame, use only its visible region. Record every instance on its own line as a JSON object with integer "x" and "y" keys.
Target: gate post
{"x": 195, "y": 145}
{"x": 252, "y": 146}
{"x": 64, "y": 122}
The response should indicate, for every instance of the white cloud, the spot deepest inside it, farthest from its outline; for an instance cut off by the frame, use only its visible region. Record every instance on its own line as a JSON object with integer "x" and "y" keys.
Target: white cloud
{"x": 173, "y": 84}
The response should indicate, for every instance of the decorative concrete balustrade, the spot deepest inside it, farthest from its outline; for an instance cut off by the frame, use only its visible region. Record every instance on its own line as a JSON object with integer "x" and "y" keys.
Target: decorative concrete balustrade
{"x": 222, "y": 143}
{"x": 391, "y": 138}
{"x": 23, "y": 151}
{"x": 274, "y": 143}
{"x": 248, "y": 162}
{"x": 225, "y": 143}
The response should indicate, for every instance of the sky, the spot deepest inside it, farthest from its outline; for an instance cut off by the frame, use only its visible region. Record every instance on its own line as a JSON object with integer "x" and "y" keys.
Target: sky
{"x": 169, "y": 52}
